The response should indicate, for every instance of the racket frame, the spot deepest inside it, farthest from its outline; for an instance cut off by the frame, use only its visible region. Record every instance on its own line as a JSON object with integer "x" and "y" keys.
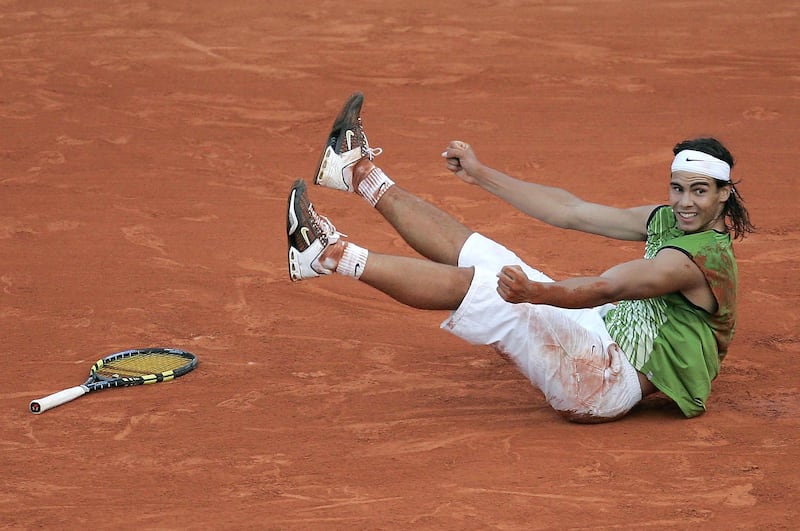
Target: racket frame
{"x": 97, "y": 382}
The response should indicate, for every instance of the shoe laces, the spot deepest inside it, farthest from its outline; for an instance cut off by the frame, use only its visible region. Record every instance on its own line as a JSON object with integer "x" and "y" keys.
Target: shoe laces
{"x": 366, "y": 151}
{"x": 323, "y": 226}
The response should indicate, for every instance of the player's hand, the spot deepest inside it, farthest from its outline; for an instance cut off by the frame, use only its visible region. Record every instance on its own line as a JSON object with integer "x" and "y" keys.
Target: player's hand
{"x": 462, "y": 161}
{"x": 514, "y": 286}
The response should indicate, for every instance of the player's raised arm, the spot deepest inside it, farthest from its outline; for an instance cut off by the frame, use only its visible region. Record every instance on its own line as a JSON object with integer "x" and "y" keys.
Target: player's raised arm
{"x": 552, "y": 205}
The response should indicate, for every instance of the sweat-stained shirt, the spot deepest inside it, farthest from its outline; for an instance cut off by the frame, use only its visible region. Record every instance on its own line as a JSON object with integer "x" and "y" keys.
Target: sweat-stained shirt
{"x": 677, "y": 345}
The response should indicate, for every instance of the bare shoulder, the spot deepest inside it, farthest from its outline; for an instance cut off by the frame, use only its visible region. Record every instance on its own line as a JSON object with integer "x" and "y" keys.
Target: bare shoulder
{"x": 642, "y": 214}
{"x": 670, "y": 271}
{"x": 686, "y": 275}
{"x": 617, "y": 223}
{"x": 676, "y": 263}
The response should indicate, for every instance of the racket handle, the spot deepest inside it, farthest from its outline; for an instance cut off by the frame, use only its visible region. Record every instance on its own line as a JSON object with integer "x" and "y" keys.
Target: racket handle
{"x": 56, "y": 399}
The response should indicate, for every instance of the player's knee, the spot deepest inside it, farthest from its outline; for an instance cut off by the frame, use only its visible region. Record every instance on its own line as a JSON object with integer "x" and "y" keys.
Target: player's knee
{"x": 462, "y": 282}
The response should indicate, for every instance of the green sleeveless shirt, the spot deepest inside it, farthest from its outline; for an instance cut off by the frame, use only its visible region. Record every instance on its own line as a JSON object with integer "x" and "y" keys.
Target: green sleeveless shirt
{"x": 676, "y": 344}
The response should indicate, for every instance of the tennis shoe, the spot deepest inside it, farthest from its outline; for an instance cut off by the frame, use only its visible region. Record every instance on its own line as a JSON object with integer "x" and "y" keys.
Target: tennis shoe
{"x": 309, "y": 236}
{"x": 347, "y": 144}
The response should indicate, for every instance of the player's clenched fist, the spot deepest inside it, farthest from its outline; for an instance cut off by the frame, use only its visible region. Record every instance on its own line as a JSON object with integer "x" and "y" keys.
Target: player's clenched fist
{"x": 462, "y": 161}
{"x": 514, "y": 286}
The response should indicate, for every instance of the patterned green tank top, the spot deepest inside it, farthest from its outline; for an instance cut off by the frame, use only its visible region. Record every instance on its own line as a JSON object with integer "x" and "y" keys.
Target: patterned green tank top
{"x": 676, "y": 344}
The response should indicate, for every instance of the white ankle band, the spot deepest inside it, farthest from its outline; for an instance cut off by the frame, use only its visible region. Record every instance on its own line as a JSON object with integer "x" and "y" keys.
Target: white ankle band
{"x": 353, "y": 261}
{"x": 374, "y": 186}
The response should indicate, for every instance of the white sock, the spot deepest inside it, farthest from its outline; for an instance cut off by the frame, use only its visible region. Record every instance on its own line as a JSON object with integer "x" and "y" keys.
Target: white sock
{"x": 374, "y": 186}
{"x": 353, "y": 260}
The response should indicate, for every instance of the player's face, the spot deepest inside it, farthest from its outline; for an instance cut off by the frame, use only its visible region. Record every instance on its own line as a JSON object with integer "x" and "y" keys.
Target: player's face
{"x": 697, "y": 201}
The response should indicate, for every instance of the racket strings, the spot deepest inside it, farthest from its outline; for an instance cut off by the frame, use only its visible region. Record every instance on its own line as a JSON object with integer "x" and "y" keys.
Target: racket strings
{"x": 142, "y": 365}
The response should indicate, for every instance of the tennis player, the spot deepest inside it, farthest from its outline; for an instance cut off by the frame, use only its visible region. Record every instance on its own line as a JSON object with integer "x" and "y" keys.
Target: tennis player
{"x": 594, "y": 346}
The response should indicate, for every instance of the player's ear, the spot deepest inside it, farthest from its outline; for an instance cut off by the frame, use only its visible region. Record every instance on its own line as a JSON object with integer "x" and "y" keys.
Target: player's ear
{"x": 725, "y": 192}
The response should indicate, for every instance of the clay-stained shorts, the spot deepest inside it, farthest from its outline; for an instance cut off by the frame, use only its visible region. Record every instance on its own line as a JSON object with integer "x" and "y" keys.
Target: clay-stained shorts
{"x": 567, "y": 354}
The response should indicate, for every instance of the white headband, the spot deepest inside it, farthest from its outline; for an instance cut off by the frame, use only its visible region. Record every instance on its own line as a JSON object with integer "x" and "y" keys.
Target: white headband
{"x": 702, "y": 163}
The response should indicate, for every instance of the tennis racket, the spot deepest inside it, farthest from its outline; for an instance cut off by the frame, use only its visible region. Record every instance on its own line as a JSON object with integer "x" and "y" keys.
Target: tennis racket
{"x": 124, "y": 369}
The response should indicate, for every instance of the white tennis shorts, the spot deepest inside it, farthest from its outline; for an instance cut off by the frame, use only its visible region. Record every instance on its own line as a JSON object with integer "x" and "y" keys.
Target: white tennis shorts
{"x": 567, "y": 354}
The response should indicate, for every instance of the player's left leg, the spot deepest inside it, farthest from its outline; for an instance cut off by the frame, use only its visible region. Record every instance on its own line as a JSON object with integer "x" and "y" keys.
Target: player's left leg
{"x": 316, "y": 248}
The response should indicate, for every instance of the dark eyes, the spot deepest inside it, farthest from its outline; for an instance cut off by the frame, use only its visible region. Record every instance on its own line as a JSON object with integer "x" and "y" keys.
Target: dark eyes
{"x": 699, "y": 190}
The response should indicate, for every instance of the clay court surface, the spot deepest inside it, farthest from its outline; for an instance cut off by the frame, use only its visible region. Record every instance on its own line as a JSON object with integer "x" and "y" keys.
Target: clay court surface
{"x": 146, "y": 154}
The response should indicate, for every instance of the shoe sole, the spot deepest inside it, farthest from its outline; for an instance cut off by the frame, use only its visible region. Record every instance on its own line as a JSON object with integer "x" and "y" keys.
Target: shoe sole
{"x": 292, "y": 220}
{"x": 292, "y": 224}
{"x": 348, "y": 116}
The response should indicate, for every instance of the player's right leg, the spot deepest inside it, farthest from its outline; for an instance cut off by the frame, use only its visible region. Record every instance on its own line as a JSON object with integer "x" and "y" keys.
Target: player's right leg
{"x": 346, "y": 164}
{"x": 429, "y": 230}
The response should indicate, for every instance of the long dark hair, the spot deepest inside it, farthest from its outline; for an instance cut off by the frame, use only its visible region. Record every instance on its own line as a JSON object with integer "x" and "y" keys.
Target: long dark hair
{"x": 737, "y": 219}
